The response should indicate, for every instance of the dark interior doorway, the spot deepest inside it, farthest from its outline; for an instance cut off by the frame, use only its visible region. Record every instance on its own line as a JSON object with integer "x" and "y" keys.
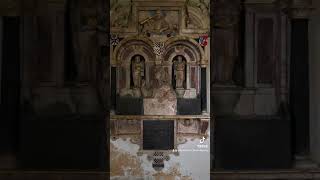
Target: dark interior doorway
{"x": 10, "y": 84}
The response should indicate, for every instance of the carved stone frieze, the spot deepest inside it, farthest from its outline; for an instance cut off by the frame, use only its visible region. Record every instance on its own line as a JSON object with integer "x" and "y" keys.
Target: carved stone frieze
{"x": 126, "y": 129}
{"x": 122, "y": 16}
{"x": 193, "y": 127}
{"x": 158, "y": 22}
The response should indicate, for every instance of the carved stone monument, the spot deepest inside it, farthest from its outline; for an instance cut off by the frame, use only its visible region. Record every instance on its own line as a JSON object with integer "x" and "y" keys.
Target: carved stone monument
{"x": 157, "y": 63}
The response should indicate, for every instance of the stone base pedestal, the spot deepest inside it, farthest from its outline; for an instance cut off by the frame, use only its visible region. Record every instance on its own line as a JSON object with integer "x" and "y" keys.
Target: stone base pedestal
{"x": 304, "y": 162}
{"x": 224, "y": 99}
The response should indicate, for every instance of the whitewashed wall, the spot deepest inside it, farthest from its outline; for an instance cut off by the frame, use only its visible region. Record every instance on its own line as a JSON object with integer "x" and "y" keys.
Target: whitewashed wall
{"x": 186, "y": 166}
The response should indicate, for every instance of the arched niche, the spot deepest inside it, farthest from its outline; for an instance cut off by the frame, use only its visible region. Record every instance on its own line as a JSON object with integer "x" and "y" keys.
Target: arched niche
{"x": 137, "y": 69}
{"x": 125, "y": 51}
{"x": 194, "y": 56}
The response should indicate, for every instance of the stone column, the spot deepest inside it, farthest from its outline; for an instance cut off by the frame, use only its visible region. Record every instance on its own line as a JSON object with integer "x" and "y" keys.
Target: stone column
{"x": 0, "y": 58}
{"x": 203, "y": 89}
{"x": 249, "y": 49}
{"x": 57, "y": 14}
{"x": 299, "y": 80}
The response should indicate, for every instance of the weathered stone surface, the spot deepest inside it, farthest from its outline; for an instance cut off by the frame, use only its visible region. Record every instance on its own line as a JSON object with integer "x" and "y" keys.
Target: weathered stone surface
{"x": 152, "y": 106}
{"x": 163, "y": 103}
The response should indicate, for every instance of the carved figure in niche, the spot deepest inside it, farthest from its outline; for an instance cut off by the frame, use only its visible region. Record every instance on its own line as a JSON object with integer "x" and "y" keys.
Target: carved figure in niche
{"x": 156, "y": 24}
{"x": 179, "y": 72}
{"x": 137, "y": 71}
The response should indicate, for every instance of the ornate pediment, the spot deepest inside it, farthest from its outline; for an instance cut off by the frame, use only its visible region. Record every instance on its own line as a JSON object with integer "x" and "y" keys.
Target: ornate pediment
{"x": 160, "y": 19}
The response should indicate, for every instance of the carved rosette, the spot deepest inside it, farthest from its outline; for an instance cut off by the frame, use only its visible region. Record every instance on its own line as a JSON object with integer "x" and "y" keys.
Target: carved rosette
{"x": 114, "y": 40}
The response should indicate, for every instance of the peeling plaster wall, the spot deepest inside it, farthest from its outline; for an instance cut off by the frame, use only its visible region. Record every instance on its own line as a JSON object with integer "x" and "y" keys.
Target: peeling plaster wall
{"x": 126, "y": 164}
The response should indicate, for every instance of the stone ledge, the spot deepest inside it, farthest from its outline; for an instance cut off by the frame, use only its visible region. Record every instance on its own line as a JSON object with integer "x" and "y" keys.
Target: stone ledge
{"x": 52, "y": 175}
{"x": 158, "y": 117}
{"x": 219, "y": 175}
{"x": 272, "y": 174}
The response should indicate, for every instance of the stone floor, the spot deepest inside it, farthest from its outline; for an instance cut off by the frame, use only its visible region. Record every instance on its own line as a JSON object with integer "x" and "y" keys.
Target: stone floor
{"x": 296, "y": 174}
{"x": 222, "y": 175}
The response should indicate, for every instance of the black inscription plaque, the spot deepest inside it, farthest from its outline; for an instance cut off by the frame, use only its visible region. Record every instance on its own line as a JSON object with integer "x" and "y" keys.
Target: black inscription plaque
{"x": 158, "y": 135}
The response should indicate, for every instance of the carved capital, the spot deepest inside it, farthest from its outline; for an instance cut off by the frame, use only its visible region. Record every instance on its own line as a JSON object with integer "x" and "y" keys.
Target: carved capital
{"x": 58, "y": 5}
{"x": 300, "y": 9}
